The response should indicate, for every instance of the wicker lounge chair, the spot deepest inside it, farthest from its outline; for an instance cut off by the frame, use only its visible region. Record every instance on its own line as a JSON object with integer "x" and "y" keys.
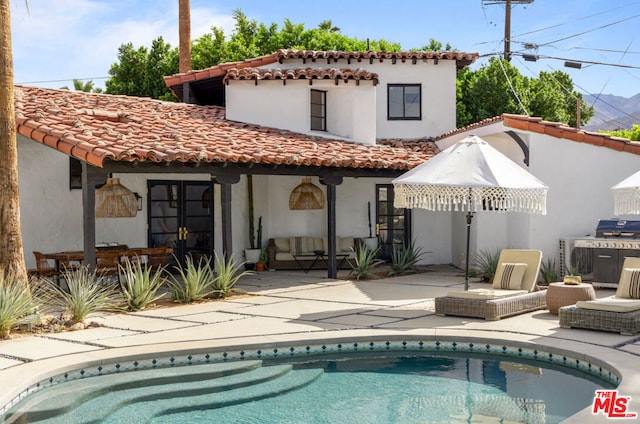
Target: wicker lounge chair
{"x": 508, "y": 297}
{"x": 619, "y": 313}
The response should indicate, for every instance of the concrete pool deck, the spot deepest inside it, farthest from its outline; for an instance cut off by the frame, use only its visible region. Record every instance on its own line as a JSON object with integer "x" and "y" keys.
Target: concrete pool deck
{"x": 293, "y": 307}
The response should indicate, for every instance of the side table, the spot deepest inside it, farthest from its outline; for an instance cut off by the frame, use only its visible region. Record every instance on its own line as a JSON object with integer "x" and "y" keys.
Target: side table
{"x": 561, "y": 294}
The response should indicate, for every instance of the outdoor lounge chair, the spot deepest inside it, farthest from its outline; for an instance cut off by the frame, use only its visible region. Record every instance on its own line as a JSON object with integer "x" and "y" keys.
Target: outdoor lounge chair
{"x": 619, "y": 313}
{"x": 514, "y": 290}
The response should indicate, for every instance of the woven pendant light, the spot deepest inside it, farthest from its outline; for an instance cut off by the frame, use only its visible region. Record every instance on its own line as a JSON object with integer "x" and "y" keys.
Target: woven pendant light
{"x": 306, "y": 196}
{"x": 113, "y": 200}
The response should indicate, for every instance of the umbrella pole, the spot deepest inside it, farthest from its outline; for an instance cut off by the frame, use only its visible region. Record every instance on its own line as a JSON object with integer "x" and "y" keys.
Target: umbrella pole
{"x": 466, "y": 268}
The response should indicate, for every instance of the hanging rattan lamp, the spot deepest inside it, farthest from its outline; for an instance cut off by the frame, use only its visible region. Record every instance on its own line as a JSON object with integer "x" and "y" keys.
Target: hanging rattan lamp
{"x": 306, "y": 195}
{"x": 113, "y": 200}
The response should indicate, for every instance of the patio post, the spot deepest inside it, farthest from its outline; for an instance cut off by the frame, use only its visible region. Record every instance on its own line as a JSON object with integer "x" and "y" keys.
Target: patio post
{"x": 225, "y": 182}
{"x": 331, "y": 182}
{"x": 91, "y": 177}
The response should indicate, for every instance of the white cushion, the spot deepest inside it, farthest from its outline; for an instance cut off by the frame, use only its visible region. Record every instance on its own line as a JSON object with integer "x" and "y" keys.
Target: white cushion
{"x": 509, "y": 276}
{"x": 629, "y": 284}
{"x": 344, "y": 244}
{"x": 611, "y": 304}
{"x": 282, "y": 244}
{"x": 298, "y": 245}
{"x": 486, "y": 294}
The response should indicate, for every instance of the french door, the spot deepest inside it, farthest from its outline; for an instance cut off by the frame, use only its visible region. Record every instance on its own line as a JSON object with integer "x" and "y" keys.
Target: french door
{"x": 181, "y": 217}
{"x": 393, "y": 225}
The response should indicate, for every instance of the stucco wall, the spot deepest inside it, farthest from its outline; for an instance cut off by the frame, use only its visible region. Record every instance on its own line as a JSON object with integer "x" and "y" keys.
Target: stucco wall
{"x": 350, "y": 108}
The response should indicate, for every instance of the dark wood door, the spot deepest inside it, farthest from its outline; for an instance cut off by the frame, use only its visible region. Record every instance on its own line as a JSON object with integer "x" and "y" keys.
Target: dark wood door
{"x": 393, "y": 225}
{"x": 181, "y": 217}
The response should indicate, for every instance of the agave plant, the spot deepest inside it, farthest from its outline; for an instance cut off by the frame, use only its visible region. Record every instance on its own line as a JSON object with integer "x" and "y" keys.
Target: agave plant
{"x": 140, "y": 284}
{"x": 549, "y": 271}
{"x": 487, "y": 263}
{"x": 87, "y": 293}
{"x": 195, "y": 282}
{"x": 366, "y": 261}
{"x": 227, "y": 275}
{"x": 16, "y": 303}
{"x": 405, "y": 259}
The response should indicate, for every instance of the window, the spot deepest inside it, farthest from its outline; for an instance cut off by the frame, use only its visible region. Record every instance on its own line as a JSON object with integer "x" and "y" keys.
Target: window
{"x": 75, "y": 173}
{"x": 318, "y": 110}
{"x": 404, "y": 101}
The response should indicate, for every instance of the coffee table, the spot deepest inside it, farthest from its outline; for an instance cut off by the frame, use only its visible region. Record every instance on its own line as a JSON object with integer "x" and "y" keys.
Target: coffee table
{"x": 561, "y": 294}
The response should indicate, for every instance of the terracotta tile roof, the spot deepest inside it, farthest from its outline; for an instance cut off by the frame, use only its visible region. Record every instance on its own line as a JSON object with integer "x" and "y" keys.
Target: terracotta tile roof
{"x": 101, "y": 127}
{"x": 462, "y": 60}
{"x": 336, "y": 74}
{"x": 554, "y": 129}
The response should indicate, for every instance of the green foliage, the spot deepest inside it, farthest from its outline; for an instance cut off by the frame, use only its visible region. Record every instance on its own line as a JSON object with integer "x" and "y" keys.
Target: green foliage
{"x": 87, "y": 87}
{"x": 365, "y": 263}
{"x": 16, "y": 303}
{"x": 489, "y": 91}
{"x": 549, "y": 271}
{"x": 140, "y": 284}
{"x": 404, "y": 259}
{"x": 139, "y": 71}
{"x": 487, "y": 263}
{"x": 227, "y": 275}
{"x": 87, "y": 294}
{"x": 633, "y": 134}
{"x": 195, "y": 282}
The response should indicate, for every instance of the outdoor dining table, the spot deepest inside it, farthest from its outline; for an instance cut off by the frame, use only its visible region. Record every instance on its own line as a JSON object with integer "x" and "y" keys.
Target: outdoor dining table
{"x": 69, "y": 256}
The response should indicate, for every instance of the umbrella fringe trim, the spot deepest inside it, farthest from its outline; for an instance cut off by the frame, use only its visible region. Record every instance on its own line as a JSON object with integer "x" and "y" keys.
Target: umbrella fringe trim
{"x": 626, "y": 202}
{"x": 449, "y": 198}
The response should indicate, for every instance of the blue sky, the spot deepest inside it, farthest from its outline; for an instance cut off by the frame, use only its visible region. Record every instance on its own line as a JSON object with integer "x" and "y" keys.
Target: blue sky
{"x": 56, "y": 41}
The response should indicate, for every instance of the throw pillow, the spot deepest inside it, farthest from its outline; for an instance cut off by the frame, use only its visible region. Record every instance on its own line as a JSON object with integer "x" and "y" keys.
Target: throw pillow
{"x": 282, "y": 245}
{"x": 629, "y": 285}
{"x": 345, "y": 244}
{"x": 297, "y": 245}
{"x": 509, "y": 276}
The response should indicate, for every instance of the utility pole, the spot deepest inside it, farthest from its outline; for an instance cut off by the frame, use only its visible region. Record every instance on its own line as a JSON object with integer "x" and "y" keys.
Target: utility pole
{"x": 507, "y": 21}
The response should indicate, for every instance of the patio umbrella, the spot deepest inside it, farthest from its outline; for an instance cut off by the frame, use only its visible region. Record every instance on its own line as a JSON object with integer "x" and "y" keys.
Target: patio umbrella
{"x": 626, "y": 196}
{"x": 470, "y": 176}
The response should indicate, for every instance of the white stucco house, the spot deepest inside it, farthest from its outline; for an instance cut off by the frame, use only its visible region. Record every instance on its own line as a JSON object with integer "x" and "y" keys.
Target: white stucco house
{"x": 349, "y": 120}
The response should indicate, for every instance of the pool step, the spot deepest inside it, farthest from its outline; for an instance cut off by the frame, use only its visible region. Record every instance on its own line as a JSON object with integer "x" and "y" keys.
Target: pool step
{"x": 164, "y": 410}
{"x": 67, "y": 396}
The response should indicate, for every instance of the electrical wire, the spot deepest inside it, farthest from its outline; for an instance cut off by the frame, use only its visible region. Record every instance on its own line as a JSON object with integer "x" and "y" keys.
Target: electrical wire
{"x": 60, "y": 80}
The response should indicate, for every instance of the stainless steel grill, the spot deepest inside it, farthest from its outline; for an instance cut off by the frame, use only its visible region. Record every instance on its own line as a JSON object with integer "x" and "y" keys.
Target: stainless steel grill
{"x": 614, "y": 240}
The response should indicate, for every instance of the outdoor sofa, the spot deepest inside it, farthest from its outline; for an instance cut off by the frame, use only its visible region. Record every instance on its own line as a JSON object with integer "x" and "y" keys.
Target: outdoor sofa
{"x": 619, "y": 313}
{"x": 309, "y": 252}
{"x": 514, "y": 290}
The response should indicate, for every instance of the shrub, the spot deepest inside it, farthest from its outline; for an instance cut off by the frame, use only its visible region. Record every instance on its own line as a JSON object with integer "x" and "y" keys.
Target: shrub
{"x": 487, "y": 263}
{"x": 405, "y": 258}
{"x": 16, "y": 303}
{"x": 87, "y": 293}
{"x": 140, "y": 284}
{"x": 549, "y": 271}
{"x": 195, "y": 282}
{"x": 227, "y": 275}
{"x": 365, "y": 262}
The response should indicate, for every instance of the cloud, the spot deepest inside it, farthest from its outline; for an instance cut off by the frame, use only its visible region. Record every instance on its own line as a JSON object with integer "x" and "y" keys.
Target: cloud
{"x": 69, "y": 39}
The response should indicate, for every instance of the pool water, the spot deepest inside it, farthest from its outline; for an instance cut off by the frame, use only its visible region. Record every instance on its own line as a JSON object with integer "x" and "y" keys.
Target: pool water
{"x": 353, "y": 388}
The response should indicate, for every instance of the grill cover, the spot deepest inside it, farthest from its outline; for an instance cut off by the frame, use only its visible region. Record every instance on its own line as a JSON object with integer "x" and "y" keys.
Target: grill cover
{"x": 618, "y": 228}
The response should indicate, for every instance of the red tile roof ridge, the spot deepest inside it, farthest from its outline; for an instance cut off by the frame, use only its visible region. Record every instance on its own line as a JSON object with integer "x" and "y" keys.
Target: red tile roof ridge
{"x": 99, "y": 127}
{"x": 462, "y": 59}
{"x": 551, "y": 128}
{"x": 300, "y": 73}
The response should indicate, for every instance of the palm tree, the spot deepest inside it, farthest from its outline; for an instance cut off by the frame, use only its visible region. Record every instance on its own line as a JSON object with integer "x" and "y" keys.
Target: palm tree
{"x": 11, "y": 255}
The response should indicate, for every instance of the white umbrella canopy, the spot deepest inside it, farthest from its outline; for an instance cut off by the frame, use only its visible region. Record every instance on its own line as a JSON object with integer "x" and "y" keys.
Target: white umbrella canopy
{"x": 470, "y": 176}
{"x": 626, "y": 196}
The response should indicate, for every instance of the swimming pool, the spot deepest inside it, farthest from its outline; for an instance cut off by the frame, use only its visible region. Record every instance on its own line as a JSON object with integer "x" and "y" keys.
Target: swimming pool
{"x": 403, "y": 381}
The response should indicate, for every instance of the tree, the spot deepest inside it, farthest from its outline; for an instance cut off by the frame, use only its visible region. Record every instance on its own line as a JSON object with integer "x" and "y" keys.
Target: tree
{"x": 498, "y": 87}
{"x": 87, "y": 87}
{"x": 11, "y": 255}
{"x": 633, "y": 134}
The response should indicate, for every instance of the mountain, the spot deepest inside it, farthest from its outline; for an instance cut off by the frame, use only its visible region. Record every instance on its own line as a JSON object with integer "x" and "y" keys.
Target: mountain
{"x": 613, "y": 112}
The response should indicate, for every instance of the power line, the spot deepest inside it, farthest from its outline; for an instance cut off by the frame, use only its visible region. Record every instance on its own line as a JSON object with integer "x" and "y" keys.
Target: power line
{"x": 60, "y": 80}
